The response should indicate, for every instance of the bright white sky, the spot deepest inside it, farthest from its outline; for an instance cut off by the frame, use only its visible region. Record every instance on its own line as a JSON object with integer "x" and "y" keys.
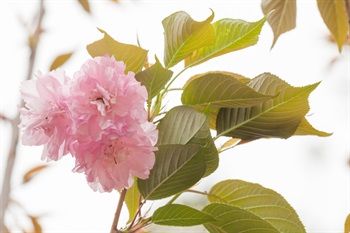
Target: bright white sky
{"x": 310, "y": 172}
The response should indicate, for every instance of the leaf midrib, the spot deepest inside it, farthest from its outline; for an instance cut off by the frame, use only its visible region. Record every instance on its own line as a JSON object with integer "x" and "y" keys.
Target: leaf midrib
{"x": 223, "y": 48}
{"x": 262, "y": 113}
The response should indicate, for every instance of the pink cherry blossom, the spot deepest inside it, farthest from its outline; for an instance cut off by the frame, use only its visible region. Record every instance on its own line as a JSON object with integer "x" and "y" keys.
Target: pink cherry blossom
{"x": 111, "y": 162}
{"x": 45, "y": 118}
{"x": 114, "y": 140}
{"x": 99, "y": 117}
{"x": 105, "y": 96}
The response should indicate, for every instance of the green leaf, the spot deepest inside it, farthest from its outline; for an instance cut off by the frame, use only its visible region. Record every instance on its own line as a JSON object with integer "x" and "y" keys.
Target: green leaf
{"x": 278, "y": 117}
{"x": 305, "y": 128}
{"x": 60, "y": 60}
{"x": 184, "y": 125}
{"x": 232, "y": 219}
{"x": 179, "y": 125}
{"x": 283, "y": 17}
{"x": 208, "y": 149}
{"x": 177, "y": 168}
{"x": 183, "y": 35}
{"x": 335, "y": 17}
{"x": 230, "y": 35}
{"x": 264, "y": 203}
{"x": 134, "y": 57}
{"x": 132, "y": 200}
{"x": 154, "y": 78}
{"x": 180, "y": 215}
{"x": 220, "y": 90}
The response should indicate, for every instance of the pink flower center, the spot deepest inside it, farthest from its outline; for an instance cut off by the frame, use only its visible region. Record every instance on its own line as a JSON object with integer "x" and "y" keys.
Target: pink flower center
{"x": 116, "y": 153}
{"x": 102, "y": 99}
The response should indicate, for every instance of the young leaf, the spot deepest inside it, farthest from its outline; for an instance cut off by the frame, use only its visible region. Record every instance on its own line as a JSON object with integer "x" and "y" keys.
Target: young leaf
{"x": 220, "y": 90}
{"x": 335, "y": 17}
{"x": 134, "y": 57}
{"x": 132, "y": 200}
{"x": 180, "y": 215}
{"x": 259, "y": 201}
{"x": 154, "y": 78}
{"x": 179, "y": 125}
{"x": 305, "y": 128}
{"x": 230, "y": 35}
{"x": 232, "y": 219}
{"x": 177, "y": 168}
{"x": 85, "y": 4}
{"x": 278, "y": 117}
{"x": 60, "y": 60}
{"x": 183, "y": 35}
{"x": 230, "y": 143}
{"x": 28, "y": 176}
{"x": 283, "y": 17}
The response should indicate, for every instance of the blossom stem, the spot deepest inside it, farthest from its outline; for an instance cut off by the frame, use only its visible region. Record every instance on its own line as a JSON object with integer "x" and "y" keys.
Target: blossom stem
{"x": 118, "y": 211}
{"x": 205, "y": 193}
{"x": 171, "y": 81}
{"x": 171, "y": 201}
{"x": 6, "y": 185}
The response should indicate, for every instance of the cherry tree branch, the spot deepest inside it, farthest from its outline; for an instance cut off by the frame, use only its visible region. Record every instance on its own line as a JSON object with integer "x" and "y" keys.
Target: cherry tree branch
{"x": 118, "y": 211}
{"x": 6, "y": 184}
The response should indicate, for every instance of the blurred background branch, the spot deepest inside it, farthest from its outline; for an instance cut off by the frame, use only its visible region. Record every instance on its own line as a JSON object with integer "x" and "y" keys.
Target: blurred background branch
{"x": 33, "y": 42}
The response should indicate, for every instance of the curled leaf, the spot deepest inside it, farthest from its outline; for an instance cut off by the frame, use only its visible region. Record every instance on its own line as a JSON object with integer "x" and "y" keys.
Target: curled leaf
{"x": 183, "y": 35}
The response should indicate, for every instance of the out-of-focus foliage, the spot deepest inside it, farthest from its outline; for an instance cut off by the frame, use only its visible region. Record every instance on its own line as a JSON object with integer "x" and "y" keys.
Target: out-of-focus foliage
{"x": 333, "y": 12}
{"x": 283, "y": 17}
{"x": 335, "y": 17}
{"x": 60, "y": 60}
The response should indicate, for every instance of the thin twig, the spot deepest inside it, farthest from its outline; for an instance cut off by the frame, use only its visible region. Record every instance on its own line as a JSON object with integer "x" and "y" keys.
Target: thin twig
{"x": 6, "y": 187}
{"x": 118, "y": 211}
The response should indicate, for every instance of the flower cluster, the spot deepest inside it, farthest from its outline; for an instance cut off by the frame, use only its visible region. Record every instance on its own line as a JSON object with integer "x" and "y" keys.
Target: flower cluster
{"x": 98, "y": 117}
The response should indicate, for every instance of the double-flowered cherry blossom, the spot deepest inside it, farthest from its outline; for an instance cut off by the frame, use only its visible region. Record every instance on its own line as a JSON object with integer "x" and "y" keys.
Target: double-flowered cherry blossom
{"x": 98, "y": 116}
